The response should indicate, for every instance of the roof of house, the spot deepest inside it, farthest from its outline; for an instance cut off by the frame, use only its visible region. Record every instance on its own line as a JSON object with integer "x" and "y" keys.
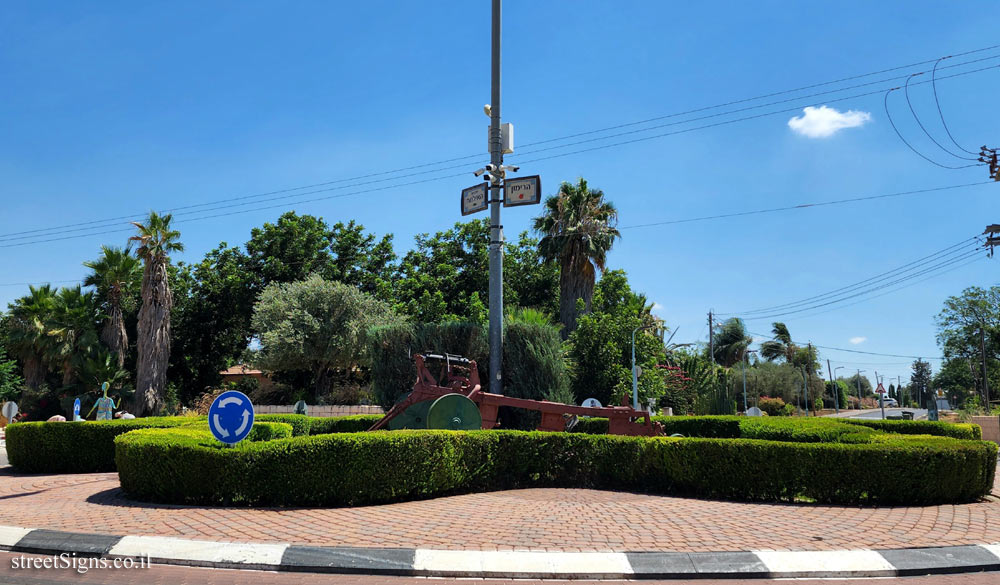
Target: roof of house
{"x": 240, "y": 370}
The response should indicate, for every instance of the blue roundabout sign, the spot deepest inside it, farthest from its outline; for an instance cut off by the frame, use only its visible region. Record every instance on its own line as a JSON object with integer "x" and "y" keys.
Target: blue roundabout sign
{"x": 230, "y": 417}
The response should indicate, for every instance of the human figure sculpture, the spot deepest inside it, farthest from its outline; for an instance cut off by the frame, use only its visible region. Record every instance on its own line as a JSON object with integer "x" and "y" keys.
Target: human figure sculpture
{"x": 105, "y": 406}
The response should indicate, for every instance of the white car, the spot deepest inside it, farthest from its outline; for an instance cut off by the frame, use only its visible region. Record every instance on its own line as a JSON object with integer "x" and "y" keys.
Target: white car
{"x": 891, "y": 402}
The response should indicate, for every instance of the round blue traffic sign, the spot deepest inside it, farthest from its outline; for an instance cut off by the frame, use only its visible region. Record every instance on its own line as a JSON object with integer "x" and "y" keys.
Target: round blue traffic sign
{"x": 76, "y": 409}
{"x": 230, "y": 417}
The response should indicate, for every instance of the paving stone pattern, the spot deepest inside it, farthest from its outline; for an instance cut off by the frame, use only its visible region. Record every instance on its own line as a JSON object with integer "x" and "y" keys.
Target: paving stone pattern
{"x": 570, "y": 520}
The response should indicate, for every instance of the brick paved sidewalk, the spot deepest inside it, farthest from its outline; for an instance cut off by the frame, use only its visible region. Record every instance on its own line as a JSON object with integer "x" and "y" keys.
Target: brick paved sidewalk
{"x": 535, "y": 519}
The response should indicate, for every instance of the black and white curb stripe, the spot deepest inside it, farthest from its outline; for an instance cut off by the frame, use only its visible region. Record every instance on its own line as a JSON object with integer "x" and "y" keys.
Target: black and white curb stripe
{"x": 509, "y": 564}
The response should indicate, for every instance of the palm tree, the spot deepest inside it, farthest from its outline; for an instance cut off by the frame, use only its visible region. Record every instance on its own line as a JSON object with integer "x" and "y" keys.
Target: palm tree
{"x": 578, "y": 229}
{"x": 28, "y": 334}
{"x": 156, "y": 241}
{"x": 72, "y": 331}
{"x": 731, "y": 342}
{"x": 781, "y": 347}
{"x": 116, "y": 276}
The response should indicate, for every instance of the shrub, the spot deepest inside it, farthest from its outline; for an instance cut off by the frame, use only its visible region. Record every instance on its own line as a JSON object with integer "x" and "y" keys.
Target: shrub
{"x": 922, "y": 427}
{"x": 772, "y": 406}
{"x": 788, "y": 410}
{"x": 74, "y": 447}
{"x": 300, "y": 423}
{"x": 181, "y": 466}
{"x": 343, "y": 424}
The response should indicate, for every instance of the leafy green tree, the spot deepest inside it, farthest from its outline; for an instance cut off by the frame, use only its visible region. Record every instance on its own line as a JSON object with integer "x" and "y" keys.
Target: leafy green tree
{"x": 72, "y": 331}
{"x": 28, "y": 335}
{"x": 854, "y": 381}
{"x": 358, "y": 259}
{"x": 116, "y": 275}
{"x": 10, "y": 380}
{"x": 210, "y": 321}
{"x": 289, "y": 250}
{"x": 600, "y": 349}
{"x": 966, "y": 324}
{"x": 781, "y": 346}
{"x": 956, "y": 378}
{"x": 316, "y": 325}
{"x": 157, "y": 240}
{"x": 920, "y": 382}
{"x": 731, "y": 342}
{"x": 578, "y": 228}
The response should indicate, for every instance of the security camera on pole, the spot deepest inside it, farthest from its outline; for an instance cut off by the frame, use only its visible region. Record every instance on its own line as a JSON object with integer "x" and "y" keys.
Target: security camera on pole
{"x": 497, "y": 189}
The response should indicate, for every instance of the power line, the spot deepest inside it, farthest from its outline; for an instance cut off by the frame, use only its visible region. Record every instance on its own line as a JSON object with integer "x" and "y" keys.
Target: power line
{"x": 963, "y": 243}
{"x": 938, "y": 104}
{"x": 895, "y": 355}
{"x": 403, "y": 169}
{"x": 906, "y": 92}
{"x": 885, "y": 104}
{"x": 943, "y": 264}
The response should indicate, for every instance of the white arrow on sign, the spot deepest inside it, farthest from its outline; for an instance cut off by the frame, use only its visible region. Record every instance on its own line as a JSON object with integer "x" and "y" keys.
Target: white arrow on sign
{"x": 218, "y": 426}
{"x": 246, "y": 421}
{"x": 230, "y": 400}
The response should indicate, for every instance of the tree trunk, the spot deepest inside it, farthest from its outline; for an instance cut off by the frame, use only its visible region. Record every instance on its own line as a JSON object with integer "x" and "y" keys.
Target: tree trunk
{"x": 324, "y": 381}
{"x": 34, "y": 372}
{"x": 153, "y": 338}
{"x": 576, "y": 281}
{"x": 114, "y": 335}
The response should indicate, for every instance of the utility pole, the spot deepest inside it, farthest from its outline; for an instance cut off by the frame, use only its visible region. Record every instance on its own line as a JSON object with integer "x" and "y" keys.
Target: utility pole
{"x": 859, "y": 388}
{"x": 989, "y": 156}
{"x": 992, "y": 237}
{"x": 711, "y": 338}
{"x": 835, "y": 389}
{"x": 809, "y": 374}
{"x": 496, "y": 229}
{"x": 881, "y": 395}
{"x": 805, "y": 395}
{"x": 982, "y": 350}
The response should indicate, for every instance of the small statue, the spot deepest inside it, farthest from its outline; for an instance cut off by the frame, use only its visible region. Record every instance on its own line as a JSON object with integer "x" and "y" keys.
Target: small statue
{"x": 105, "y": 406}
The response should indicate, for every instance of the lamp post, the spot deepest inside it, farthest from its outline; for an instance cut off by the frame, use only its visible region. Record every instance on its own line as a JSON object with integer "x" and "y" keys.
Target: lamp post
{"x": 859, "y": 388}
{"x": 635, "y": 376}
{"x": 746, "y": 362}
{"x": 836, "y": 387}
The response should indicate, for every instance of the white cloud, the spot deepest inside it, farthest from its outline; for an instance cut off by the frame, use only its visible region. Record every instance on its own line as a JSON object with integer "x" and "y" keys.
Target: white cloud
{"x": 823, "y": 122}
{"x": 657, "y": 307}
{"x": 857, "y": 340}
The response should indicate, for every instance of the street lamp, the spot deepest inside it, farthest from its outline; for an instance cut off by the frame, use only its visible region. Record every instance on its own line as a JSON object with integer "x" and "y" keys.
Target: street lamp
{"x": 836, "y": 387}
{"x": 746, "y": 362}
{"x": 635, "y": 375}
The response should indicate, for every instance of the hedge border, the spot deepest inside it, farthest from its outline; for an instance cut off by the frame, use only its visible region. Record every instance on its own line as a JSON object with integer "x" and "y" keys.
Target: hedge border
{"x": 383, "y": 467}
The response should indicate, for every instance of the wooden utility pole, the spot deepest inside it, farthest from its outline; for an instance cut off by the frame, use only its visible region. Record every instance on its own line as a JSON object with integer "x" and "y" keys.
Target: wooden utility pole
{"x": 711, "y": 338}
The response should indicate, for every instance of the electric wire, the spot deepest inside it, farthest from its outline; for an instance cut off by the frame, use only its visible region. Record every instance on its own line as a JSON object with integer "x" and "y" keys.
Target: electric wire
{"x": 7, "y": 236}
{"x": 895, "y": 355}
{"x": 885, "y": 103}
{"x": 905, "y": 267}
{"x": 938, "y": 104}
{"x": 906, "y": 91}
{"x": 946, "y": 263}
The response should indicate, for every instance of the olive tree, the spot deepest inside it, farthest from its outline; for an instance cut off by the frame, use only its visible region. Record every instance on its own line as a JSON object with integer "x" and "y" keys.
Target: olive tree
{"x": 316, "y": 325}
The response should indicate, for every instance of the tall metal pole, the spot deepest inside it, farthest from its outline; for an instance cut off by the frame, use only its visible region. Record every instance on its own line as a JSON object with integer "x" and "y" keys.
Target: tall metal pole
{"x": 496, "y": 230}
{"x": 835, "y": 389}
{"x": 635, "y": 375}
{"x": 986, "y": 383}
{"x": 711, "y": 339}
{"x": 859, "y": 389}
{"x": 805, "y": 396}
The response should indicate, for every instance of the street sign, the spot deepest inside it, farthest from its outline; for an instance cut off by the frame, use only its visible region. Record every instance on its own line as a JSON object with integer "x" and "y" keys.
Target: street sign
{"x": 9, "y": 411}
{"x": 880, "y": 389}
{"x": 592, "y": 403}
{"x": 638, "y": 371}
{"x": 474, "y": 199}
{"x": 76, "y": 409}
{"x": 522, "y": 191}
{"x": 230, "y": 417}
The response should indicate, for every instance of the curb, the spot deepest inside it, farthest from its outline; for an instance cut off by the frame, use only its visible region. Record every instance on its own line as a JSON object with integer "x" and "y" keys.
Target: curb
{"x": 509, "y": 564}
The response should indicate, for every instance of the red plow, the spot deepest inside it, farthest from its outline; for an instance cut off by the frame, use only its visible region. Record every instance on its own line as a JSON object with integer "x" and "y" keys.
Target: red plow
{"x": 455, "y": 400}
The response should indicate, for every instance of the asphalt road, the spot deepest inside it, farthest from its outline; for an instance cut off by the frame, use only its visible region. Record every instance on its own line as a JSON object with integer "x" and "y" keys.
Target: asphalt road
{"x": 918, "y": 413}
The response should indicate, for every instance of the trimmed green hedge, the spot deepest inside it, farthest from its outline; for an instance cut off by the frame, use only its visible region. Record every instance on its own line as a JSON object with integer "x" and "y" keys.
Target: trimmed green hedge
{"x": 74, "y": 447}
{"x": 923, "y": 427}
{"x": 88, "y": 447}
{"x": 176, "y": 466}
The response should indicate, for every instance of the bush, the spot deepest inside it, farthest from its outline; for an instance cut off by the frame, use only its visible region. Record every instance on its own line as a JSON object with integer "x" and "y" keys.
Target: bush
{"x": 772, "y": 406}
{"x": 922, "y": 427}
{"x": 300, "y": 423}
{"x": 343, "y": 424}
{"x": 802, "y": 430}
{"x": 74, "y": 447}
{"x": 182, "y": 466}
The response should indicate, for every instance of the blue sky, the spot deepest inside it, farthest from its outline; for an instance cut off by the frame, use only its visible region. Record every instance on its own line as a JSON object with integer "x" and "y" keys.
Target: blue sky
{"x": 115, "y": 108}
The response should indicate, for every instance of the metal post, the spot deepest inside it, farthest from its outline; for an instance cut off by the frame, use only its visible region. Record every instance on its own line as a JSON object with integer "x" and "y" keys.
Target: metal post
{"x": 835, "y": 390}
{"x": 881, "y": 396}
{"x": 805, "y": 395}
{"x": 859, "y": 389}
{"x": 496, "y": 229}
{"x": 986, "y": 383}
{"x": 746, "y": 361}
{"x": 635, "y": 377}
{"x": 711, "y": 339}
